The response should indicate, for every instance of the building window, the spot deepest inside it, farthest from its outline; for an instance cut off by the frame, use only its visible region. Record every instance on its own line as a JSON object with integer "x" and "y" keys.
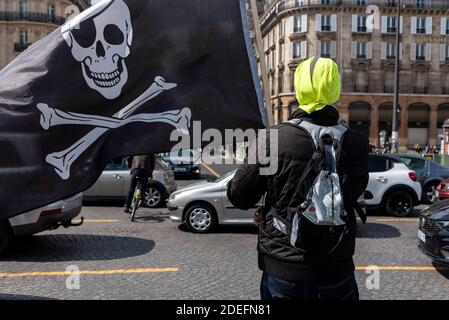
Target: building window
{"x": 447, "y": 26}
{"x": 420, "y": 3}
{"x": 51, "y": 11}
{"x": 296, "y": 50}
{"x": 281, "y": 29}
{"x": 446, "y": 53}
{"x": 420, "y": 51}
{"x": 325, "y": 49}
{"x": 361, "y": 50}
{"x": 420, "y": 83}
{"x": 421, "y": 25}
{"x": 325, "y": 2}
{"x": 23, "y": 37}
{"x": 325, "y": 23}
{"x": 280, "y": 82}
{"x": 391, "y": 24}
{"x": 23, "y": 9}
{"x": 361, "y": 2}
{"x": 389, "y": 81}
{"x": 281, "y": 53}
{"x": 391, "y": 51}
{"x": 292, "y": 80}
{"x": 360, "y": 81}
{"x": 361, "y": 24}
{"x": 391, "y": 3}
{"x": 297, "y": 24}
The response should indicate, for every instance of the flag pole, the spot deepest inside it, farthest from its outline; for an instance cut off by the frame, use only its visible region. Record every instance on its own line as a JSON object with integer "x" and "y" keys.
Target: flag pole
{"x": 262, "y": 62}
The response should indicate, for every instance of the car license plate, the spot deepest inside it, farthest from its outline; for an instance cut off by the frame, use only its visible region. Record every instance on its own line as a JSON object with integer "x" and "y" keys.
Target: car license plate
{"x": 421, "y": 236}
{"x": 180, "y": 169}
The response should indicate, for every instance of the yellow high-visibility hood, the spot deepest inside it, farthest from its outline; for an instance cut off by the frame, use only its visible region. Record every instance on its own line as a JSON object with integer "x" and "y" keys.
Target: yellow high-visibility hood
{"x": 322, "y": 88}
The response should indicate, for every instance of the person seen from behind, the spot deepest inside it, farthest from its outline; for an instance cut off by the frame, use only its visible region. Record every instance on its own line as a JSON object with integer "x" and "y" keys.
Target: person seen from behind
{"x": 307, "y": 225}
{"x": 142, "y": 167}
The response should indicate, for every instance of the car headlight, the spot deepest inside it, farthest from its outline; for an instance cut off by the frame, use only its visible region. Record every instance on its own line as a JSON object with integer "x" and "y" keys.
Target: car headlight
{"x": 445, "y": 187}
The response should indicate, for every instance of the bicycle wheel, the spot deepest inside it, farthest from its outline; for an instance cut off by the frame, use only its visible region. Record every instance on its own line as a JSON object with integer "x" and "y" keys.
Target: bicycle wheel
{"x": 136, "y": 200}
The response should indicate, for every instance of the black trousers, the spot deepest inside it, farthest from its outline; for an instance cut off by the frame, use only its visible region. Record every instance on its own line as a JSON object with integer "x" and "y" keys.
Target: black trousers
{"x": 132, "y": 188}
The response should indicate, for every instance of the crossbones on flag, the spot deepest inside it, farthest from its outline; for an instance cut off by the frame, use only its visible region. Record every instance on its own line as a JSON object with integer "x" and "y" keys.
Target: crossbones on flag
{"x": 116, "y": 80}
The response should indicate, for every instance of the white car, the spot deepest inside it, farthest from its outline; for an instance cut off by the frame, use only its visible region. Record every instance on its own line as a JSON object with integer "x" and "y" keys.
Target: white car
{"x": 392, "y": 186}
{"x": 50, "y": 217}
{"x": 203, "y": 206}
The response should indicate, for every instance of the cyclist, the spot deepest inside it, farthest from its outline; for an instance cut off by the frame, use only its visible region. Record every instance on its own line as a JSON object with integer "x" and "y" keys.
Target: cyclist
{"x": 141, "y": 169}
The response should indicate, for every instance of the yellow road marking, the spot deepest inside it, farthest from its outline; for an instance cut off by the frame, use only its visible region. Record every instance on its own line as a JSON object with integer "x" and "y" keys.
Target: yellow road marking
{"x": 403, "y": 268}
{"x": 398, "y": 220}
{"x": 87, "y": 272}
{"x": 93, "y": 221}
{"x": 215, "y": 173}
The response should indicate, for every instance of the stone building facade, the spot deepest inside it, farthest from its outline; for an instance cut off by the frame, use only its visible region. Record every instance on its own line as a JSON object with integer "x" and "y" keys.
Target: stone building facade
{"x": 23, "y": 22}
{"x": 361, "y": 39}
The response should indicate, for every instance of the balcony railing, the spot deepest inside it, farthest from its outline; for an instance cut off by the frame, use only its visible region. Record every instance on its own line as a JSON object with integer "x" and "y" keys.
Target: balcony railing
{"x": 283, "y": 5}
{"x": 388, "y": 89}
{"x": 31, "y": 16}
{"x": 391, "y": 29}
{"x": 360, "y": 88}
{"x": 421, "y": 30}
{"x": 420, "y": 90}
{"x": 21, "y": 46}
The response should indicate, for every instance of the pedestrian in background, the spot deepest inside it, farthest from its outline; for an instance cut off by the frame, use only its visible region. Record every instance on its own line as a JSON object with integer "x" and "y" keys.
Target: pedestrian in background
{"x": 288, "y": 271}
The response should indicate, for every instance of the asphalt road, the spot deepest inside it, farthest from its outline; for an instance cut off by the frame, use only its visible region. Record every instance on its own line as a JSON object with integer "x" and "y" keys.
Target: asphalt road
{"x": 155, "y": 258}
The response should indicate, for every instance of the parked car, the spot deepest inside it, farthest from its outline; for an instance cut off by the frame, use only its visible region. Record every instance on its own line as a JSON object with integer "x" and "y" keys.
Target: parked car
{"x": 205, "y": 205}
{"x": 433, "y": 232}
{"x": 442, "y": 190}
{"x": 430, "y": 174}
{"x": 115, "y": 180}
{"x": 392, "y": 186}
{"x": 184, "y": 162}
{"x": 49, "y": 217}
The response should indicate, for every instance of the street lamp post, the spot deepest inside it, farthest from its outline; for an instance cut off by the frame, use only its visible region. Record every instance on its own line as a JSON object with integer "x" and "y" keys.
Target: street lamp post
{"x": 394, "y": 125}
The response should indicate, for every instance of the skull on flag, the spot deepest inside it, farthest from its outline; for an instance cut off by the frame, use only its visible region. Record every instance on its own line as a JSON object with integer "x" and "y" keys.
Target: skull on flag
{"x": 101, "y": 43}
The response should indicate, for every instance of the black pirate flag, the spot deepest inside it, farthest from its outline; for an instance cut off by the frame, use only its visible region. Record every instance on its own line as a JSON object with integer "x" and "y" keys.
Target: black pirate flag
{"x": 117, "y": 80}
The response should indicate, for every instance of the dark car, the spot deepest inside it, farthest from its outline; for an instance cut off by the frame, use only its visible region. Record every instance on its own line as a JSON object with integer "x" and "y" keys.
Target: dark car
{"x": 430, "y": 174}
{"x": 433, "y": 232}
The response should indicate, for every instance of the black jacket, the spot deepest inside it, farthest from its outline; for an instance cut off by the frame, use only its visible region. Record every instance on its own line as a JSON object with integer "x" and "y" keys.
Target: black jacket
{"x": 295, "y": 148}
{"x": 143, "y": 165}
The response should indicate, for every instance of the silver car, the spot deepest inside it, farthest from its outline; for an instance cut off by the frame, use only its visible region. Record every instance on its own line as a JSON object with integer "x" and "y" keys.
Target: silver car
{"x": 203, "y": 206}
{"x": 115, "y": 180}
{"x": 50, "y": 217}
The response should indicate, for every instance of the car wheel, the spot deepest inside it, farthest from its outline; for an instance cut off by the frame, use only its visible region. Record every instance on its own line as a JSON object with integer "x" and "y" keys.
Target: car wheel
{"x": 4, "y": 235}
{"x": 399, "y": 203}
{"x": 154, "y": 196}
{"x": 201, "y": 218}
{"x": 429, "y": 193}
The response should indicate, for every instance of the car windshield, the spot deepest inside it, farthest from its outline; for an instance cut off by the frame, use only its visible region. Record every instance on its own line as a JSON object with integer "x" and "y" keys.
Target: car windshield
{"x": 413, "y": 163}
{"x": 225, "y": 176}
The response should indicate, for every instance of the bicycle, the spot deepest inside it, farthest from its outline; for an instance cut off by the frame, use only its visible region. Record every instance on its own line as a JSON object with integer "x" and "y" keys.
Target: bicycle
{"x": 137, "y": 198}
